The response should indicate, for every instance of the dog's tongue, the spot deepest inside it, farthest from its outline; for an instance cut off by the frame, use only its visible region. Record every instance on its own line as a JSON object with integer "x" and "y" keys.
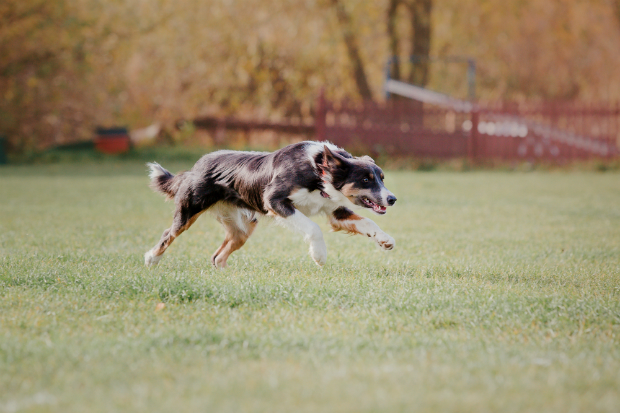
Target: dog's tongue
{"x": 378, "y": 208}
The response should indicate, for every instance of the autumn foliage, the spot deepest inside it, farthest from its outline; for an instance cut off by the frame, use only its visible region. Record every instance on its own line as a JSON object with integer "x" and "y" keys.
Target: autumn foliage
{"x": 68, "y": 65}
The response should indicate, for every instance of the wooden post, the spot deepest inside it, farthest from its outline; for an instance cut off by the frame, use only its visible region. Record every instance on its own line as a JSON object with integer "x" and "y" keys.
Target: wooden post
{"x": 472, "y": 141}
{"x": 616, "y": 129}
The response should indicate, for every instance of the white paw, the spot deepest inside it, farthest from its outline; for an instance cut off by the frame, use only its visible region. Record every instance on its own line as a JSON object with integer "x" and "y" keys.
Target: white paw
{"x": 385, "y": 241}
{"x": 318, "y": 252}
{"x": 220, "y": 264}
{"x": 151, "y": 259}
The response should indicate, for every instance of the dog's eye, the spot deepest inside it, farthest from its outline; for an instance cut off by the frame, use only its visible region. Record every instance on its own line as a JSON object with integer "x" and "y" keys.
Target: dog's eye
{"x": 365, "y": 180}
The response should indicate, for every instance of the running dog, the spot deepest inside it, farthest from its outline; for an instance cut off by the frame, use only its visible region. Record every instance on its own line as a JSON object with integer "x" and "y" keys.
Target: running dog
{"x": 290, "y": 184}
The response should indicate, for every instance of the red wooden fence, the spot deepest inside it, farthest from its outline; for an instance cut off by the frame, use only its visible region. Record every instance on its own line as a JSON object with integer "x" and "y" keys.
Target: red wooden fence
{"x": 508, "y": 131}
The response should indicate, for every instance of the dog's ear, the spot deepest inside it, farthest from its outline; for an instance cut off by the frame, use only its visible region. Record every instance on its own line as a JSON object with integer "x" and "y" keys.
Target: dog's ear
{"x": 330, "y": 159}
{"x": 367, "y": 159}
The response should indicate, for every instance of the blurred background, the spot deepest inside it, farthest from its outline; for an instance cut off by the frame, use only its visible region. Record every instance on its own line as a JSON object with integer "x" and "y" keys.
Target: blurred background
{"x": 69, "y": 66}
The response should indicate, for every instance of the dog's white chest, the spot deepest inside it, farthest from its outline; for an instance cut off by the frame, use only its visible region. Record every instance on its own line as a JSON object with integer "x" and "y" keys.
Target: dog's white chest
{"x": 309, "y": 203}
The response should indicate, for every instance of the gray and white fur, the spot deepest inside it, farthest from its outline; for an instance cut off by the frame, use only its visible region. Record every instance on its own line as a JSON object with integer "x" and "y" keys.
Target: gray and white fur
{"x": 291, "y": 184}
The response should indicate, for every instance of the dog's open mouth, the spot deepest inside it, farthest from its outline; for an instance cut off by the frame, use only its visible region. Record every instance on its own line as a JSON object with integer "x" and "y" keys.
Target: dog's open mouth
{"x": 379, "y": 209}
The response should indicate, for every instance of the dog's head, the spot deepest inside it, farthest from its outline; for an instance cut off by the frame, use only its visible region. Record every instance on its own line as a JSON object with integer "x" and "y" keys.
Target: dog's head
{"x": 358, "y": 179}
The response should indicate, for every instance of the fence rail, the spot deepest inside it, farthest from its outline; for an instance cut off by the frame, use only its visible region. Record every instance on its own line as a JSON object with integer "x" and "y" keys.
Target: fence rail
{"x": 509, "y": 131}
{"x": 219, "y": 124}
{"x": 555, "y": 131}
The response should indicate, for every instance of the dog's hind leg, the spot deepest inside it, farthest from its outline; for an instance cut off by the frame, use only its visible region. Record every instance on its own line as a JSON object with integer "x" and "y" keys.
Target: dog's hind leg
{"x": 184, "y": 217}
{"x": 237, "y": 233}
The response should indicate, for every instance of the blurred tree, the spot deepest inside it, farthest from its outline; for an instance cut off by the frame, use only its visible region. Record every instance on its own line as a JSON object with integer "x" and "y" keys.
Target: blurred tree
{"x": 350, "y": 40}
{"x": 394, "y": 42}
{"x": 68, "y": 65}
{"x": 531, "y": 49}
{"x": 419, "y": 19}
{"x": 33, "y": 44}
{"x": 420, "y": 11}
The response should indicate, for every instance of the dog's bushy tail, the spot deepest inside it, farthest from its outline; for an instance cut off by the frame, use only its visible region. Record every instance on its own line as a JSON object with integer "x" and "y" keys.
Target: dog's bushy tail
{"x": 163, "y": 181}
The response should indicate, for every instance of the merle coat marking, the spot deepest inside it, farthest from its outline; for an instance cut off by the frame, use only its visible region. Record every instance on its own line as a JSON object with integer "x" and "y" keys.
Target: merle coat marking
{"x": 290, "y": 184}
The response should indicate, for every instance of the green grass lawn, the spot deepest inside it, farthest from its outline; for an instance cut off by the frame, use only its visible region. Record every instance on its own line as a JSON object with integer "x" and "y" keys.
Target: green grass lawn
{"x": 502, "y": 295}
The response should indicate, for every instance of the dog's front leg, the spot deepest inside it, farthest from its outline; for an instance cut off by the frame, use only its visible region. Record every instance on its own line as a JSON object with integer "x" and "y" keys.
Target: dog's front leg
{"x": 311, "y": 231}
{"x": 343, "y": 219}
{"x": 297, "y": 221}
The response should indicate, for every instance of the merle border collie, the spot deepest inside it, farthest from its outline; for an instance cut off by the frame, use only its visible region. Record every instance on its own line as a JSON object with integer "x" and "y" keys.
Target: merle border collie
{"x": 290, "y": 184}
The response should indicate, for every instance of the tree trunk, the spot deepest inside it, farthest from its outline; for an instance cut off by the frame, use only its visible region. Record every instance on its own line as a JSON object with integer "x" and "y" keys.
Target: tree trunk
{"x": 421, "y": 43}
{"x": 393, "y": 36}
{"x": 353, "y": 50}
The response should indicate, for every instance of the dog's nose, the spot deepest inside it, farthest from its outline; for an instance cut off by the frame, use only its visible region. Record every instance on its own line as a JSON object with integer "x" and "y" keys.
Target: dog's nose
{"x": 391, "y": 199}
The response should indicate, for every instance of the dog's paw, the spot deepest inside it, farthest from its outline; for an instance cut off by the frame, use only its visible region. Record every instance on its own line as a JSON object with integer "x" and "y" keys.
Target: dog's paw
{"x": 151, "y": 259}
{"x": 384, "y": 241}
{"x": 219, "y": 263}
{"x": 318, "y": 252}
